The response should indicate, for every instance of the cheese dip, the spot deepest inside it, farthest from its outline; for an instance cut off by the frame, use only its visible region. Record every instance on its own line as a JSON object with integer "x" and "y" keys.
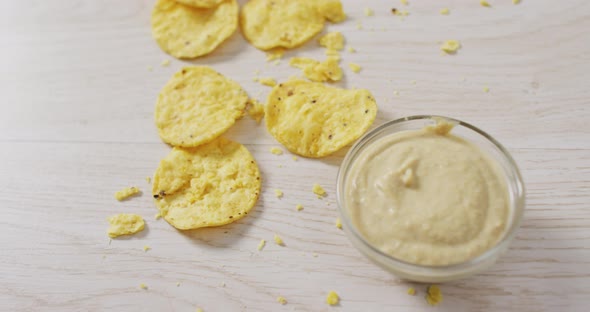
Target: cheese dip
{"x": 428, "y": 197}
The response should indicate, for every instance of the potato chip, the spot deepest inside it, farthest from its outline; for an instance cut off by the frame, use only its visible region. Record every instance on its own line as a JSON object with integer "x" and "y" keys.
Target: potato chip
{"x": 269, "y": 24}
{"x": 125, "y": 224}
{"x": 210, "y": 185}
{"x": 314, "y": 120}
{"x": 188, "y": 32}
{"x": 201, "y": 3}
{"x": 197, "y": 105}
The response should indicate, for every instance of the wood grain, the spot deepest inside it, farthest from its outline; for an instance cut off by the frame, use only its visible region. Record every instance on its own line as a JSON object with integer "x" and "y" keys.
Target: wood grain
{"x": 76, "y": 125}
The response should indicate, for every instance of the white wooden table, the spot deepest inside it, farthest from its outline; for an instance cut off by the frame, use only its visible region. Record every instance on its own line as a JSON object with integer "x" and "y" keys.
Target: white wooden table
{"x": 76, "y": 125}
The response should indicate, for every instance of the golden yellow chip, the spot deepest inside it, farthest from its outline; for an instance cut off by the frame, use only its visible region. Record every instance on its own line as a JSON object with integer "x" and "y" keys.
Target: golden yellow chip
{"x": 210, "y": 185}
{"x": 125, "y": 224}
{"x": 270, "y": 24}
{"x": 201, "y": 3}
{"x": 332, "y": 41}
{"x": 314, "y": 120}
{"x": 188, "y": 32}
{"x": 197, "y": 105}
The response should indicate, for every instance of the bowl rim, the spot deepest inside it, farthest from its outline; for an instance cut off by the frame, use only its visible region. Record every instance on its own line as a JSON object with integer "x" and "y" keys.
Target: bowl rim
{"x": 518, "y": 201}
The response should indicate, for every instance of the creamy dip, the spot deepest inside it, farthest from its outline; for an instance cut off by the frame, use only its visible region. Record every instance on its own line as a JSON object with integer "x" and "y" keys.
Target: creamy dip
{"x": 427, "y": 197}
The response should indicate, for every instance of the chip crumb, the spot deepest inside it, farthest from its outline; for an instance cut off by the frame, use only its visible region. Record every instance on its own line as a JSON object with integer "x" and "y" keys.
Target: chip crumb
{"x": 411, "y": 291}
{"x": 295, "y": 158}
{"x": 199, "y": 310}
{"x": 126, "y": 193}
{"x": 278, "y": 193}
{"x": 334, "y": 53}
{"x": 359, "y": 26}
{"x": 276, "y": 62}
{"x": 256, "y": 110}
{"x": 450, "y": 46}
{"x": 222, "y": 284}
{"x": 157, "y": 216}
{"x": 278, "y": 240}
{"x": 148, "y": 180}
{"x": 281, "y": 300}
{"x": 267, "y": 81}
{"x": 355, "y": 67}
{"x": 261, "y": 244}
{"x": 413, "y": 82}
{"x": 433, "y": 295}
{"x": 338, "y": 223}
{"x": 369, "y": 12}
{"x": 515, "y": 1}
{"x": 328, "y": 70}
{"x": 177, "y": 284}
{"x": 484, "y": 3}
{"x": 332, "y": 41}
{"x": 257, "y": 72}
{"x": 150, "y": 68}
{"x": 299, "y": 207}
{"x": 404, "y": 2}
{"x": 146, "y": 248}
{"x": 395, "y": 92}
{"x": 351, "y": 50}
{"x": 486, "y": 89}
{"x": 125, "y": 224}
{"x": 165, "y": 62}
{"x": 143, "y": 286}
{"x": 315, "y": 255}
{"x": 318, "y": 190}
{"x": 332, "y": 298}
{"x": 445, "y": 11}
{"x": 275, "y": 54}
{"x": 276, "y": 151}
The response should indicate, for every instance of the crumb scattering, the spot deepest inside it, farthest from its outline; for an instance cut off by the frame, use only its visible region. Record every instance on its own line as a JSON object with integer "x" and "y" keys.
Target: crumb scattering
{"x": 484, "y": 3}
{"x": 256, "y": 110}
{"x": 261, "y": 244}
{"x": 332, "y": 298}
{"x": 274, "y": 55}
{"x": 278, "y": 193}
{"x": 126, "y": 193}
{"x": 355, "y": 67}
{"x": 267, "y": 81}
{"x": 338, "y": 223}
{"x": 450, "y": 46}
{"x": 433, "y": 295}
{"x": 281, "y": 300}
{"x": 318, "y": 190}
{"x": 333, "y": 41}
{"x": 278, "y": 240}
{"x": 276, "y": 151}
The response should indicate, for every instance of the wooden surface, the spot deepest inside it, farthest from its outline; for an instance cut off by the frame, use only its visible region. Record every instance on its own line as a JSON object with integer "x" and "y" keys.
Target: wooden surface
{"x": 77, "y": 125}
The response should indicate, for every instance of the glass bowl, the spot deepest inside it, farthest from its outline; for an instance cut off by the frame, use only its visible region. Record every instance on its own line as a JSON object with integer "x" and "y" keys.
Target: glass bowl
{"x": 424, "y": 273}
